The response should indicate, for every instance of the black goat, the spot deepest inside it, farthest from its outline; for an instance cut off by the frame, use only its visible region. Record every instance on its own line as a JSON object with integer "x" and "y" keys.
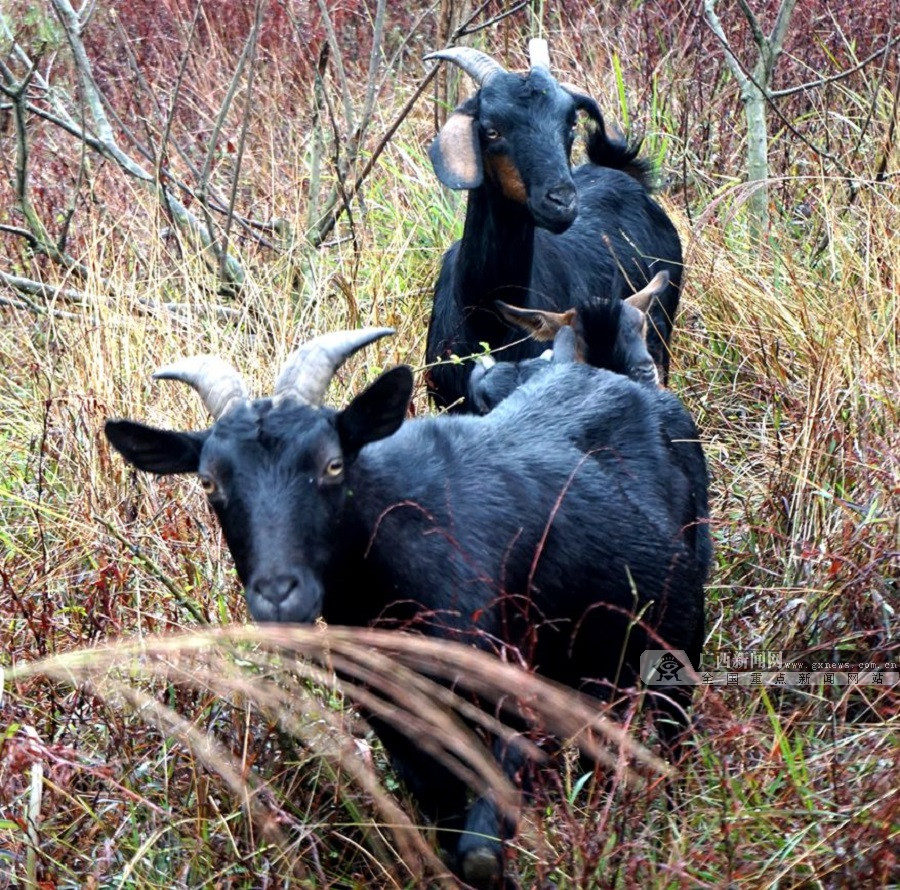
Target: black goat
{"x": 537, "y": 233}
{"x": 559, "y": 524}
{"x": 606, "y": 333}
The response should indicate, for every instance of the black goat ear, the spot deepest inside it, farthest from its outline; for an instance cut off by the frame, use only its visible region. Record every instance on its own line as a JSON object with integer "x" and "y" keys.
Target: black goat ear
{"x": 456, "y": 154}
{"x": 585, "y": 103}
{"x": 377, "y": 412}
{"x": 154, "y": 450}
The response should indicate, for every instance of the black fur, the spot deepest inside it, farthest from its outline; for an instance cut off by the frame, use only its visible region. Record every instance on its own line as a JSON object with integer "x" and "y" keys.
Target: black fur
{"x": 525, "y": 255}
{"x": 608, "y": 334}
{"x": 545, "y": 525}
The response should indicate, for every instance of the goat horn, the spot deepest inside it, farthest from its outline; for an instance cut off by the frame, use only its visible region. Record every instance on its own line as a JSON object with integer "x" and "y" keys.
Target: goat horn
{"x": 308, "y": 370}
{"x": 538, "y": 53}
{"x": 478, "y": 65}
{"x": 218, "y": 384}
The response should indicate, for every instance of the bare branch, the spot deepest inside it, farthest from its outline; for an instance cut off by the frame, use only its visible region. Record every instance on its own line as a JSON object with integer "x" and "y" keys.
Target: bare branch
{"x": 330, "y": 217}
{"x": 755, "y": 28}
{"x": 39, "y": 238}
{"x": 401, "y": 49}
{"x": 775, "y": 43}
{"x": 248, "y": 48}
{"x": 242, "y": 139}
{"x": 328, "y": 221}
{"x": 51, "y": 293}
{"x": 372, "y": 77}
{"x": 465, "y": 30}
{"x": 338, "y": 64}
{"x": 73, "y": 204}
{"x": 824, "y": 81}
{"x": 109, "y": 147}
{"x": 19, "y": 233}
{"x": 26, "y": 305}
{"x": 733, "y": 62}
{"x": 746, "y": 81}
{"x": 881, "y": 172}
{"x": 779, "y": 31}
{"x": 45, "y": 291}
{"x": 341, "y": 168}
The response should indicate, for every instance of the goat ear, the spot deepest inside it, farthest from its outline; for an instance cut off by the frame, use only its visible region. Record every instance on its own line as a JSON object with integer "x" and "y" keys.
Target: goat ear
{"x": 541, "y": 324}
{"x": 456, "y": 154}
{"x": 590, "y": 107}
{"x": 644, "y": 298}
{"x": 377, "y": 412}
{"x": 585, "y": 103}
{"x": 564, "y": 347}
{"x": 154, "y": 450}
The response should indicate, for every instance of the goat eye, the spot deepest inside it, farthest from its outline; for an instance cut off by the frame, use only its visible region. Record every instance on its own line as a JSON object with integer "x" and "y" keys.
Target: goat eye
{"x": 334, "y": 468}
{"x": 492, "y": 134}
{"x": 208, "y": 486}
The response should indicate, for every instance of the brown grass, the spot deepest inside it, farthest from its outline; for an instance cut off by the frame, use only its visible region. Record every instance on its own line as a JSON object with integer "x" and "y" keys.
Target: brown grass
{"x": 232, "y": 769}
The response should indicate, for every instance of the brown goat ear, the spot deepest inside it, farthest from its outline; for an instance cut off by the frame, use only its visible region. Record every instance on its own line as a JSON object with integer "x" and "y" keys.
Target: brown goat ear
{"x": 644, "y": 298}
{"x": 455, "y": 153}
{"x": 540, "y": 323}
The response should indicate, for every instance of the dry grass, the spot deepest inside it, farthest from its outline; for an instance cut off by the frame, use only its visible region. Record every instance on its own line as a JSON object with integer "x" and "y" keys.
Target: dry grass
{"x": 233, "y": 769}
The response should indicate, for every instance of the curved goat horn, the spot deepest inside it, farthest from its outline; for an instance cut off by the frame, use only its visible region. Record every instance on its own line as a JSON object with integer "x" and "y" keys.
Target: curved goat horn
{"x": 218, "y": 384}
{"x": 478, "y": 65}
{"x": 308, "y": 370}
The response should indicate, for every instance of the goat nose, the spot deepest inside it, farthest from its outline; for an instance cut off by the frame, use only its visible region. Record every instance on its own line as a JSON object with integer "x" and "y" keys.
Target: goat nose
{"x": 276, "y": 589}
{"x": 562, "y": 196}
{"x": 647, "y": 374}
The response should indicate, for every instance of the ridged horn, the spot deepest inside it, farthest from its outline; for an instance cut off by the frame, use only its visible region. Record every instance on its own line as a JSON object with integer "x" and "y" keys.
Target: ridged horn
{"x": 308, "y": 370}
{"x": 218, "y": 384}
{"x": 478, "y": 65}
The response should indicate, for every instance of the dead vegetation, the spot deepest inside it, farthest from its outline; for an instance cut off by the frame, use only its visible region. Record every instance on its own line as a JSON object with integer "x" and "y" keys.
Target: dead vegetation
{"x": 143, "y": 764}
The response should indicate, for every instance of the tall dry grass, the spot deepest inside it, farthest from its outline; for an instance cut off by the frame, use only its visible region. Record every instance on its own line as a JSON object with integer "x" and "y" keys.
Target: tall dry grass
{"x": 786, "y": 354}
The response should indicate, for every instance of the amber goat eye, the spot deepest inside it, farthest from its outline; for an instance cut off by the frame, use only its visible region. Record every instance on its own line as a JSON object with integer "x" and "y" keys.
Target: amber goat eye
{"x": 208, "y": 486}
{"x": 334, "y": 468}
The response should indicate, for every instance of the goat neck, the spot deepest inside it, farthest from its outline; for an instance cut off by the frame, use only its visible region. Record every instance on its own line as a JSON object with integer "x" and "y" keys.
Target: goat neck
{"x": 496, "y": 252}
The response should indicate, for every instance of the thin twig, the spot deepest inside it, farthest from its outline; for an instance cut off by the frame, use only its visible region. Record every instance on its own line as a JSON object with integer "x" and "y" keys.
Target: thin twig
{"x": 825, "y": 81}
{"x": 110, "y": 148}
{"x": 466, "y": 30}
{"x": 330, "y": 217}
{"x": 242, "y": 138}
{"x": 139, "y": 554}
{"x": 338, "y": 64}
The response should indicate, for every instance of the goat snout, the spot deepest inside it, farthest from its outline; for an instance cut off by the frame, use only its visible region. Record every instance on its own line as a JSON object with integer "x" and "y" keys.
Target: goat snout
{"x": 563, "y": 197}
{"x": 276, "y": 590}
{"x": 646, "y": 373}
{"x": 292, "y": 596}
{"x": 557, "y": 208}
